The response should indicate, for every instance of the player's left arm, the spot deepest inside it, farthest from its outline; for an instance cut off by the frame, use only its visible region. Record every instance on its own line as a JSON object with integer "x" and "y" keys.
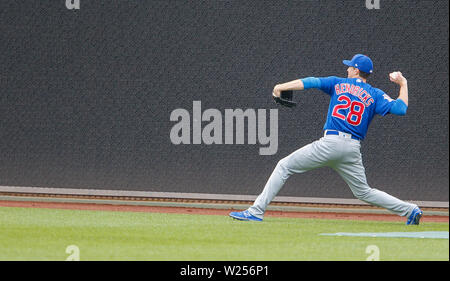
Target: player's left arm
{"x": 401, "y": 104}
{"x": 292, "y": 85}
{"x": 304, "y": 84}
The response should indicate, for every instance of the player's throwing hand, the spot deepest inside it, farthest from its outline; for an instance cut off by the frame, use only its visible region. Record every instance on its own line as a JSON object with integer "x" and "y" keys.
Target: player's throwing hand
{"x": 397, "y": 78}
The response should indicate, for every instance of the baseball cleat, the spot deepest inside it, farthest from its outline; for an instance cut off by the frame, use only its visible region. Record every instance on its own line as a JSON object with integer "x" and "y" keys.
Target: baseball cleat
{"x": 415, "y": 216}
{"x": 244, "y": 216}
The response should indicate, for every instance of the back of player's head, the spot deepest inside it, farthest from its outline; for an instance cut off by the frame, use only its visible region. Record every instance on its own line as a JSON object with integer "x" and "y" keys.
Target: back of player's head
{"x": 361, "y": 62}
{"x": 363, "y": 74}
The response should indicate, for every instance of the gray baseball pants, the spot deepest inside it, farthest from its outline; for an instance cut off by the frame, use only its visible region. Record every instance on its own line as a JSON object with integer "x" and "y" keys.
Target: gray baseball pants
{"x": 342, "y": 154}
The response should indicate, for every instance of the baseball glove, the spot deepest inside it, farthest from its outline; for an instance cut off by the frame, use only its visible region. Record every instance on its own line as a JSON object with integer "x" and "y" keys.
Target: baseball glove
{"x": 285, "y": 99}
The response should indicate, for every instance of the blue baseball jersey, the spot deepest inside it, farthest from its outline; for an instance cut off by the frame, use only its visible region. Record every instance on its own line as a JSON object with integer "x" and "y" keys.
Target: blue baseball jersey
{"x": 353, "y": 104}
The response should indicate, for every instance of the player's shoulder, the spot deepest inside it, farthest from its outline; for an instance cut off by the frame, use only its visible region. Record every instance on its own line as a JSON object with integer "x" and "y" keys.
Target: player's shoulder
{"x": 332, "y": 79}
{"x": 377, "y": 91}
{"x": 355, "y": 81}
{"x": 379, "y": 95}
{"x": 338, "y": 79}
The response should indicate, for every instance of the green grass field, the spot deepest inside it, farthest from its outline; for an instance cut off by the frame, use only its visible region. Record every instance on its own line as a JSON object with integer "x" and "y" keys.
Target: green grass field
{"x": 45, "y": 234}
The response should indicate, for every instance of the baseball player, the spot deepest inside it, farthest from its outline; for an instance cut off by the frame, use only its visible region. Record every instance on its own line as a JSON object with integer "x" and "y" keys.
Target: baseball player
{"x": 353, "y": 105}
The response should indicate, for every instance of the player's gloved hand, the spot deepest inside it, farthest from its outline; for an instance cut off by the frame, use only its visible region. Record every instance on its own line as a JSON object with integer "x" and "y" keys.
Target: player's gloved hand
{"x": 275, "y": 92}
{"x": 284, "y": 98}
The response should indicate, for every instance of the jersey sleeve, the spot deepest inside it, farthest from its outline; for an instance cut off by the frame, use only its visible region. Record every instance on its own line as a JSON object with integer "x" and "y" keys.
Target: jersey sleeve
{"x": 399, "y": 107}
{"x": 327, "y": 84}
{"x": 383, "y": 103}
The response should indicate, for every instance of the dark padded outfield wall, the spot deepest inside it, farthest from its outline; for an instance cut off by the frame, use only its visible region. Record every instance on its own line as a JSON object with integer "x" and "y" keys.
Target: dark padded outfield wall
{"x": 87, "y": 94}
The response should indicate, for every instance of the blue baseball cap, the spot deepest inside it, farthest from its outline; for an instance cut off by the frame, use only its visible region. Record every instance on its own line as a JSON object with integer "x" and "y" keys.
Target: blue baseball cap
{"x": 361, "y": 62}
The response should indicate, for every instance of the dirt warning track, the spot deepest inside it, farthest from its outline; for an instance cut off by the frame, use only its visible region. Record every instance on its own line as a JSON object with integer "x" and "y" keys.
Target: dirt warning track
{"x": 212, "y": 211}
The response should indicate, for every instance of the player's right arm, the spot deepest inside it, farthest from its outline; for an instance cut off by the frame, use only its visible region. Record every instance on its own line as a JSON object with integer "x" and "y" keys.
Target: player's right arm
{"x": 400, "y": 105}
{"x": 397, "y": 78}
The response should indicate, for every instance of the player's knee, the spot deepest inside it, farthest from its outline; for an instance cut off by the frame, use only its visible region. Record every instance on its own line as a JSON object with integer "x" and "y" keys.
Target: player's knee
{"x": 284, "y": 163}
{"x": 282, "y": 166}
{"x": 362, "y": 193}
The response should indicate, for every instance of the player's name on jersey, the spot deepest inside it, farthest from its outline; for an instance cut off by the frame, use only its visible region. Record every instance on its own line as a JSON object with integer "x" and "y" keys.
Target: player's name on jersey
{"x": 225, "y": 128}
{"x": 356, "y": 91}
